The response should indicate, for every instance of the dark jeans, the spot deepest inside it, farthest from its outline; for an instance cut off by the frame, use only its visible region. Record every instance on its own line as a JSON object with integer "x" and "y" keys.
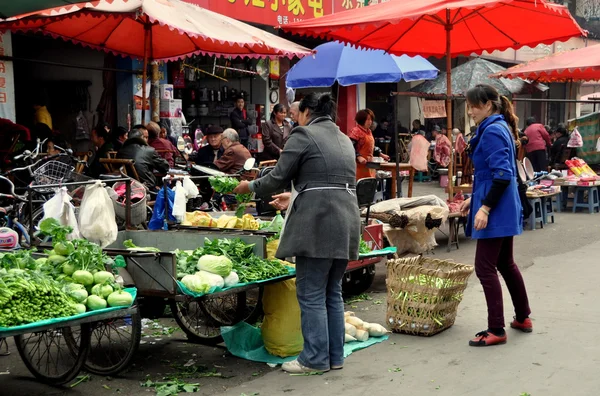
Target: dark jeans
{"x": 539, "y": 160}
{"x": 495, "y": 255}
{"x": 319, "y": 291}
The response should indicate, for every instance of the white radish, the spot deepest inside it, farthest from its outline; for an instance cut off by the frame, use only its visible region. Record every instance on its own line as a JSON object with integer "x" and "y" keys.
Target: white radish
{"x": 348, "y": 313}
{"x": 362, "y": 335}
{"x": 377, "y": 330}
{"x": 350, "y": 330}
{"x": 354, "y": 321}
{"x": 348, "y": 338}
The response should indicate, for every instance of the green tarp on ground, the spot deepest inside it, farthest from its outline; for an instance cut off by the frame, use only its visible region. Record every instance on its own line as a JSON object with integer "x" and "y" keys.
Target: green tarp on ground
{"x": 245, "y": 341}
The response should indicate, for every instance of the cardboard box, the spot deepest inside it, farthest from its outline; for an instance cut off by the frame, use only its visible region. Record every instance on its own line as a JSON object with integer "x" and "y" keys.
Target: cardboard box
{"x": 170, "y": 108}
{"x": 166, "y": 91}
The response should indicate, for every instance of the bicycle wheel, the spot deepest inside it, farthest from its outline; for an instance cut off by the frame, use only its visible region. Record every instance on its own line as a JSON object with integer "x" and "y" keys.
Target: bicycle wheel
{"x": 201, "y": 319}
{"x": 49, "y": 357}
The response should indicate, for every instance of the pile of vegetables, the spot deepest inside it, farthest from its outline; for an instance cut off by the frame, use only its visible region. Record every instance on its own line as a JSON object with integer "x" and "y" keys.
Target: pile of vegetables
{"x": 224, "y": 258}
{"x": 363, "y": 248}
{"x": 214, "y": 273}
{"x": 226, "y": 185}
{"x": 358, "y": 330}
{"x": 203, "y": 219}
{"x": 28, "y": 296}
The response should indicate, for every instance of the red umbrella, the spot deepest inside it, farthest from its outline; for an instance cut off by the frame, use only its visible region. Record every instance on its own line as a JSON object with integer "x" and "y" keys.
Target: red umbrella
{"x": 154, "y": 29}
{"x": 578, "y": 65}
{"x": 446, "y": 28}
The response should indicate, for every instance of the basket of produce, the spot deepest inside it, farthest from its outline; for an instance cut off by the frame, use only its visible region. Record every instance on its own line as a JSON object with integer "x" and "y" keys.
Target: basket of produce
{"x": 423, "y": 294}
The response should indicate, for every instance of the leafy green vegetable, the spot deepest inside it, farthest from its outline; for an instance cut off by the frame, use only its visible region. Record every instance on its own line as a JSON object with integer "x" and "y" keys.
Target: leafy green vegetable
{"x": 130, "y": 246}
{"x": 363, "y": 247}
{"x": 248, "y": 266}
{"x": 226, "y": 185}
{"x": 171, "y": 388}
{"x": 52, "y": 228}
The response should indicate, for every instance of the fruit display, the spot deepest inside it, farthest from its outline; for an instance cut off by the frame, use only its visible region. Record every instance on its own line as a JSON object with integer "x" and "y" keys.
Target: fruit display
{"x": 203, "y": 219}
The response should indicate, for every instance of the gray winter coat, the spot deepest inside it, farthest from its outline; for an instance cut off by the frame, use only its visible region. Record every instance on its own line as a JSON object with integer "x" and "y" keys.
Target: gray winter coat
{"x": 321, "y": 223}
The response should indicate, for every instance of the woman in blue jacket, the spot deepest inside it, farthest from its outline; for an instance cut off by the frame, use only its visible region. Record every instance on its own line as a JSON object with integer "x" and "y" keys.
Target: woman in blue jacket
{"x": 495, "y": 213}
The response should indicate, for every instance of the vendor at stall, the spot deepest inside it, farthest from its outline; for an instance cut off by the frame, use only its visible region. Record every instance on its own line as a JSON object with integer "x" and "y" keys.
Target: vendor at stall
{"x": 146, "y": 158}
{"x": 275, "y": 133}
{"x": 214, "y": 149}
{"x": 102, "y": 143}
{"x": 235, "y": 155}
{"x": 164, "y": 148}
{"x": 559, "y": 147}
{"x": 240, "y": 121}
{"x": 364, "y": 143}
{"x": 538, "y": 142}
{"x": 322, "y": 229}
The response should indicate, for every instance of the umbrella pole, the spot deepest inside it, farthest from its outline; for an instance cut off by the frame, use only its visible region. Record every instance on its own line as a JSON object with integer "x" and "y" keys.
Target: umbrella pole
{"x": 449, "y": 103}
{"x": 145, "y": 71}
{"x": 397, "y": 144}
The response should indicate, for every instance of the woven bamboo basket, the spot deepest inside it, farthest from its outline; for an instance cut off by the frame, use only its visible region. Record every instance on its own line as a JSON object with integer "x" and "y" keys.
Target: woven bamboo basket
{"x": 423, "y": 294}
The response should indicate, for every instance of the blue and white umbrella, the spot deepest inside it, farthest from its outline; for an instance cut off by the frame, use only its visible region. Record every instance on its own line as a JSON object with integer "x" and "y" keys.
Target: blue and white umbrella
{"x": 349, "y": 66}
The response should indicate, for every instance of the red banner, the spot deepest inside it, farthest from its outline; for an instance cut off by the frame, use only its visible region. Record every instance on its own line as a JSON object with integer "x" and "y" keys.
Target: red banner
{"x": 278, "y": 12}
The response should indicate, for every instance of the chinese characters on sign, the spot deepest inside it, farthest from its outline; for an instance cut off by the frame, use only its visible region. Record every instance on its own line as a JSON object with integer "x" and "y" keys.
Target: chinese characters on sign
{"x": 7, "y": 84}
{"x": 434, "y": 108}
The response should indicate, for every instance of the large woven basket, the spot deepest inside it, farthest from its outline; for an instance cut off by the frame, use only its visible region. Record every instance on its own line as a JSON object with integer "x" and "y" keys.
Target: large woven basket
{"x": 423, "y": 294}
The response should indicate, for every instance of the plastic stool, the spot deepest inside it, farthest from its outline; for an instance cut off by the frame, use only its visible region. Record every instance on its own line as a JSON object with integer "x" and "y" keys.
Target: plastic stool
{"x": 593, "y": 201}
{"x": 548, "y": 208}
{"x": 537, "y": 214}
{"x": 422, "y": 176}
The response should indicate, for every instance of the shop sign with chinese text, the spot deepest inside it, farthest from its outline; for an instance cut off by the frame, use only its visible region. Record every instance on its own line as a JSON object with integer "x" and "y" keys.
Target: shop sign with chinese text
{"x": 7, "y": 83}
{"x": 434, "y": 108}
{"x": 279, "y": 12}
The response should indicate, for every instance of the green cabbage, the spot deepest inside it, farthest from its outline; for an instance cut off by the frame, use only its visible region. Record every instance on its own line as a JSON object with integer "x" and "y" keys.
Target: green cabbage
{"x": 195, "y": 284}
{"x": 219, "y": 265}
{"x": 213, "y": 280}
{"x": 232, "y": 279}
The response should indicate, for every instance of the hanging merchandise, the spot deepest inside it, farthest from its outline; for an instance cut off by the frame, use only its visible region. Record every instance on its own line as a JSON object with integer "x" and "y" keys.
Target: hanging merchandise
{"x": 60, "y": 208}
{"x": 97, "y": 216}
{"x": 575, "y": 140}
{"x": 274, "y": 69}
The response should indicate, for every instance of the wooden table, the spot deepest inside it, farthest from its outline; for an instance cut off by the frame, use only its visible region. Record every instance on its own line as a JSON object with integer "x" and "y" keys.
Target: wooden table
{"x": 391, "y": 167}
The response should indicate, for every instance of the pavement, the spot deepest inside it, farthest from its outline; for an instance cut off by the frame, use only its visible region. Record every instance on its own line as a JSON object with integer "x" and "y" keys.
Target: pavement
{"x": 560, "y": 357}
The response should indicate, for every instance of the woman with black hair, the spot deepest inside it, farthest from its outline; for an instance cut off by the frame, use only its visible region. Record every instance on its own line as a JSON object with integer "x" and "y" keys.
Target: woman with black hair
{"x": 495, "y": 211}
{"x": 559, "y": 147}
{"x": 322, "y": 228}
{"x": 275, "y": 133}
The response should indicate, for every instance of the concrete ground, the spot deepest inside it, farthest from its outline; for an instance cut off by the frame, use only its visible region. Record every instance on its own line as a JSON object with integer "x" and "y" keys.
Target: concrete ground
{"x": 560, "y": 357}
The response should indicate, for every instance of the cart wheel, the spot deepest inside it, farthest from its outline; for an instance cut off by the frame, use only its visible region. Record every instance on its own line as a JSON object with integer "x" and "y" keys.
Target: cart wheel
{"x": 4, "y": 347}
{"x": 201, "y": 319}
{"x": 113, "y": 344}
{"x": 358, "y": 281}
{"x": 49, "y": 357}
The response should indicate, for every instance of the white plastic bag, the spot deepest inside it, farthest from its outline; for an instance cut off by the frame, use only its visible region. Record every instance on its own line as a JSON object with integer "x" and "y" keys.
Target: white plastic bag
{"x": 97, "y": 216}
{"x": 575, "y": 140}
{"x": 179, "y": 202}
{"x": 598, "y": 144}
{"x": 60, "y": 208}
{"x": 191, "y": 190}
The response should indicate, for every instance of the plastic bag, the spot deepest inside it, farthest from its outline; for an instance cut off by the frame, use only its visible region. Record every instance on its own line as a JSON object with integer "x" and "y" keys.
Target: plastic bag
{"x": 179, "y": 202}
{"x": 97, "y": 216}
{"x": 157, "y": 222}
{"x": 191, "y": 189}
{"x": 281, "y": 328}
{"x": 60, "y": 208}
{"x": 418, "y": 153}
{"x": 575, "y": 140}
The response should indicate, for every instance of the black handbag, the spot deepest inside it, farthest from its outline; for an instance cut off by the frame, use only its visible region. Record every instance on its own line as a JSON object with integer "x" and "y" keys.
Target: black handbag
{"x": 522, "y": 187}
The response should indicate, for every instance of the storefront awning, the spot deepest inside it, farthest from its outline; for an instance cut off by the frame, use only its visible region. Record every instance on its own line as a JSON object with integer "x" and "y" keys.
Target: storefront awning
{"x": 578, "y": 65}
{"x": 159, "y": 29}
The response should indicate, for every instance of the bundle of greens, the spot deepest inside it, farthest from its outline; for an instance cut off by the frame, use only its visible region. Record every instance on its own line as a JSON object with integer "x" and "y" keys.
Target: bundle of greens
{"x": 28, "y": 296}
{"x": 226, "y": 185}
{"x": 249, "y": 267}
{"x": 363, "y": 248}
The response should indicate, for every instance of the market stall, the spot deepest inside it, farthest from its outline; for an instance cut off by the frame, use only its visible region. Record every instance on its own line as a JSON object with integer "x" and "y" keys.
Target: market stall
{"x": 67, "y": 310}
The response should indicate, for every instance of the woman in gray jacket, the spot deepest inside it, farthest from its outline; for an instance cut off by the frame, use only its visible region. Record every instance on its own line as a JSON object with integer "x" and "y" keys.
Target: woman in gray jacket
{"x": 322, "y": 228}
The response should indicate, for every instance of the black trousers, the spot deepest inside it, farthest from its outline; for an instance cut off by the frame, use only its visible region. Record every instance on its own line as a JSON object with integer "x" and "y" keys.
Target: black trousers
{"x": 539, "y": 160}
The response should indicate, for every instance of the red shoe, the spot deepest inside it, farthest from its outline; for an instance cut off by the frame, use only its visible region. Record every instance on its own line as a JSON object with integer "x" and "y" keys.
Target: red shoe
{"x": 485, "y": 338}
{"x": 526, "y": 326}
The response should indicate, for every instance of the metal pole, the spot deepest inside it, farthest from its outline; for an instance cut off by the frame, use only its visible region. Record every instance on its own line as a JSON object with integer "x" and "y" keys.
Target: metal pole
{"x": 145, "y": 70}
{"x": 449, "y": 100}
{"x": 397, "y": 144}
{"x": 165, "y": 185}
{"x": 30, "y": 204}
